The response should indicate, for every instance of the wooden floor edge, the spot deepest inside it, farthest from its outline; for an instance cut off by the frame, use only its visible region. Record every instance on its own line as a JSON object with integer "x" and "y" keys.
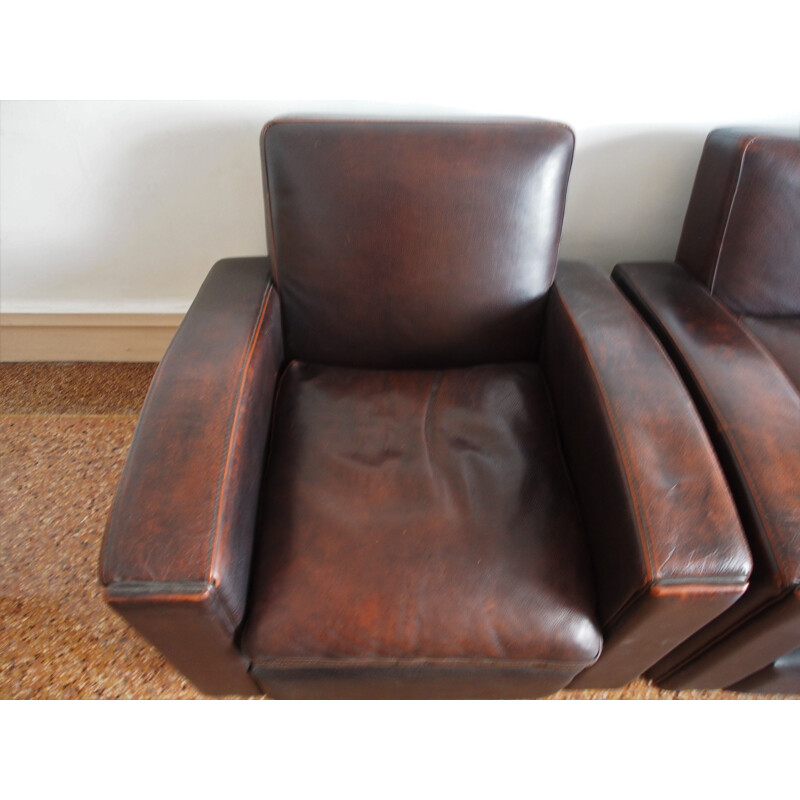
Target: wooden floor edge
{"x": 86, "y": 337}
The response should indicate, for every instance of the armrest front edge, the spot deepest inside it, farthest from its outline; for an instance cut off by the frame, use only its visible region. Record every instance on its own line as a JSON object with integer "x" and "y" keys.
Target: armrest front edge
{"x": 177, "y": 549}
{"x": 752, "y": 413}
{"x": 666, "y": 544}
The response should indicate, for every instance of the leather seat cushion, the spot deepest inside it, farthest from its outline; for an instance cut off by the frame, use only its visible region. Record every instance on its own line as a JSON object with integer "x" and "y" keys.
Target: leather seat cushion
{"x": 781, "y": 336}
{"x": 419, "y": 517}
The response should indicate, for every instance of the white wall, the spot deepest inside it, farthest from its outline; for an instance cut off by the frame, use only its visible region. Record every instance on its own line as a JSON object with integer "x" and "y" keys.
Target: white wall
{"x": 125, "y": 205}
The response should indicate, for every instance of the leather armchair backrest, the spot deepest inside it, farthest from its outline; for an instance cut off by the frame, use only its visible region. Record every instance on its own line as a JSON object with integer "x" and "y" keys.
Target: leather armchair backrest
{"x": 741, "y": 235}
{"x": 414, "y": 244}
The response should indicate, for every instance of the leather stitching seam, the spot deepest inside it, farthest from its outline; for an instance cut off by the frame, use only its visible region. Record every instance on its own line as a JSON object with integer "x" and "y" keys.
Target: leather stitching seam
{"x": 300, "y": 662}
{"x": 729, "y": 215}
{"x": 233, "y": 421}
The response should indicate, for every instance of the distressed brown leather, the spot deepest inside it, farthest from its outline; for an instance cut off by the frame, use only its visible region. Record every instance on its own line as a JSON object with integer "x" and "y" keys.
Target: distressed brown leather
{"x": 752, "y": 412}
{"x": 668, "y": 550}
{"x": 419, "y": 522}
{"x": 741, "y": 358}
{"x": 414, "y": 244}
{"x": 740, "y": 236}
{"x": 418, "y": 532}
{"x": 180, "y": 532}
{"x": 301, "y": 642}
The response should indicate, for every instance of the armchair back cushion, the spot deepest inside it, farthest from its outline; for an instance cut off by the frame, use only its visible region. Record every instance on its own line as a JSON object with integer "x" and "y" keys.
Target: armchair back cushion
{"x": 740, "y": 236}
{"x": 414, "y": 244}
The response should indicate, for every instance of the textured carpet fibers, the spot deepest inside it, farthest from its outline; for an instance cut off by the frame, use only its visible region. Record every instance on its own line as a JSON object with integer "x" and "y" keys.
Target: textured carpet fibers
{"x": 65, "y": 430}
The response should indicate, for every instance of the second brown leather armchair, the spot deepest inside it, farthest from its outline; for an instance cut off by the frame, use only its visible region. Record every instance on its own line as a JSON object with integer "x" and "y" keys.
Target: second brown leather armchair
{"x": 395, "y": 460}
{"x": 728, "y": 312}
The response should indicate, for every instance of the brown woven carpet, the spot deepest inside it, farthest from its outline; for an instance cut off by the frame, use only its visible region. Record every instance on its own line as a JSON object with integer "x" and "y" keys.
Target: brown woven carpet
{"x": 64, "y": 434}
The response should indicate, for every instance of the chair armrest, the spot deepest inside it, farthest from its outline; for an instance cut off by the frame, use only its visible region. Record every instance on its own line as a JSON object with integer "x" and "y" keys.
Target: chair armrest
{"x": 667, "y": 547}
{"x": 752, "y": 413}
{"x": 177, "y": 548}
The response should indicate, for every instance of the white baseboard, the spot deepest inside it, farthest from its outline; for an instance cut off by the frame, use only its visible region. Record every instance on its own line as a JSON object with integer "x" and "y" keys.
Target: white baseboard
{"x": 86, "y": 337}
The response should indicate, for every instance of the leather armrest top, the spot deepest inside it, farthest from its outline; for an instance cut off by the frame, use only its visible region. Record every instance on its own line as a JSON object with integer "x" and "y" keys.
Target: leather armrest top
{"x": 183, "y": 518}
{"x": 750, "y": 407}
{"x": 657, "y": 510}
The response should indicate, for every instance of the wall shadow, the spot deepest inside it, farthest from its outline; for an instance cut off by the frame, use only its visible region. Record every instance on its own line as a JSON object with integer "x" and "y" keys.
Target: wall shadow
{"x": 168, "y": 206}
{"x": 628, "y": 194}
{"x": 175, "y": 200}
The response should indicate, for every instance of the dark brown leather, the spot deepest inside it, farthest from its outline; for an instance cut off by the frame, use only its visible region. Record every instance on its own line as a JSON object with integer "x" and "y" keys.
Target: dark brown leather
{"x": 740, "y": 236}
{"x": 189, "y": 625}
{"x": 418, "y": 534}
{"x": 743, "y": 649}
{"x": 181, "y": 530}
{"x": 668, "y": 551}
{"x": 781, "y": 336}
{"x": 414, "y": 244}
{"x": 752, "y": 412}
{"x": 411, "y": 680}
{"x": 417, "y": 523}
{"x": 782, "y": 677}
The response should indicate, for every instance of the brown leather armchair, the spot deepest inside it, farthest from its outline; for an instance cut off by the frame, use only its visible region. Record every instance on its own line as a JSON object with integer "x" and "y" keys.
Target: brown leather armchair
{"x": 395, "y": 460}
{"x": 728, "y": 312}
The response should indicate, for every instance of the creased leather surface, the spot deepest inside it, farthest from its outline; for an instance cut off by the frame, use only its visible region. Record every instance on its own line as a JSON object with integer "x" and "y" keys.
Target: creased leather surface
{"x": 419, "y": 515}
{"x": 751, "y": 407}
{"x": 414, "y": 244}
{"x": 752, "y": 412}
{"x": 657, "y": 509}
